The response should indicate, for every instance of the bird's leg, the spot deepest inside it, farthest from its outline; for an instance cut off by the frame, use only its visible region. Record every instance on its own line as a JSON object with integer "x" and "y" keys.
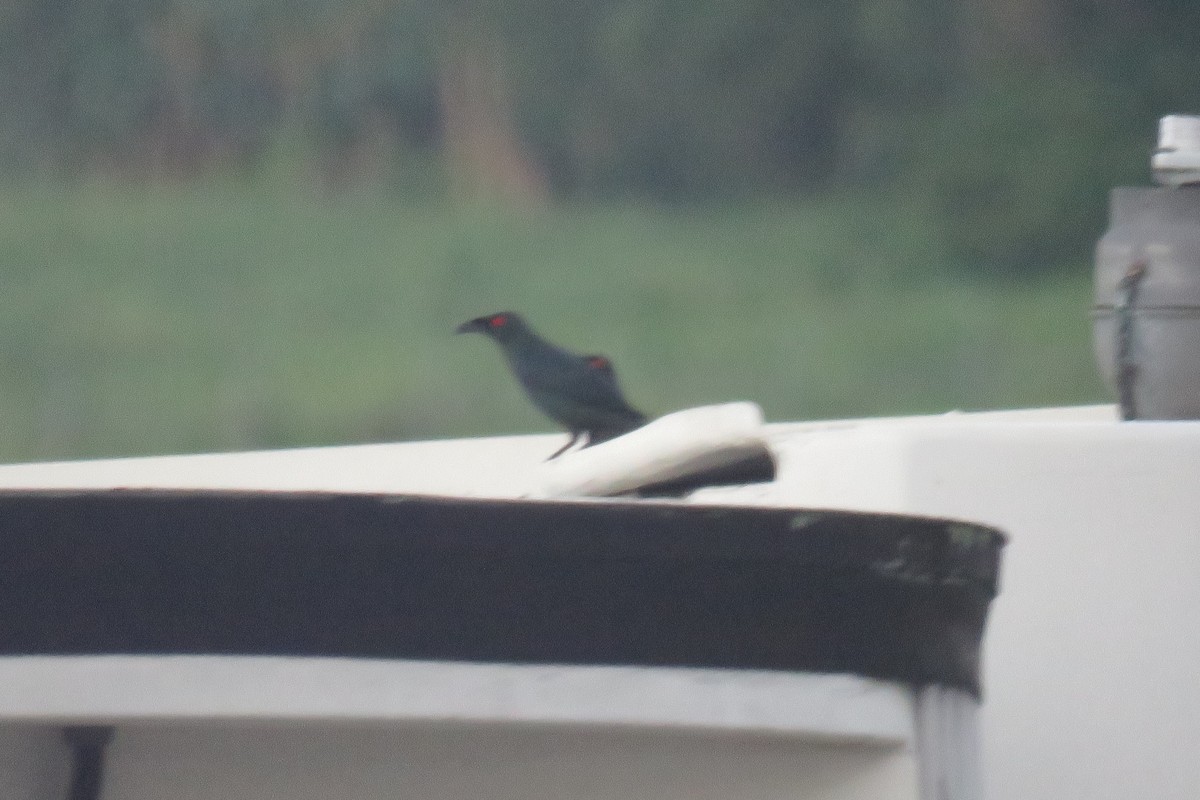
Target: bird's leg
{"x": 599, "y": 436}
{"x": 574, "y": 438}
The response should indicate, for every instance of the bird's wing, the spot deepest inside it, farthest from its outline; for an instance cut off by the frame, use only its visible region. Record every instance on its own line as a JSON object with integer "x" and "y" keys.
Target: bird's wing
{"x": 576, "y": 393}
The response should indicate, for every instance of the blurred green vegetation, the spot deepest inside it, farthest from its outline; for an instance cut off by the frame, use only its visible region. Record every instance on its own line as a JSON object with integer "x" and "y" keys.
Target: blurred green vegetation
{"x": 220, "y": 315}
{"x": 1010, "y": 119}
{"x": 228, "y": 225}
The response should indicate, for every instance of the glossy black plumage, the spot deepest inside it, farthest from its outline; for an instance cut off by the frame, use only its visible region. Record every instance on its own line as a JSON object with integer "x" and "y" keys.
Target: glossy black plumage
{"x": 581, "y": 393}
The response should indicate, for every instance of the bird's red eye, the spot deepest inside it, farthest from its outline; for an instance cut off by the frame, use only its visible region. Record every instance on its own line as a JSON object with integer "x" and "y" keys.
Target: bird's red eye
{"x": 598, "y": 362}
{"x": 498, "y": 321}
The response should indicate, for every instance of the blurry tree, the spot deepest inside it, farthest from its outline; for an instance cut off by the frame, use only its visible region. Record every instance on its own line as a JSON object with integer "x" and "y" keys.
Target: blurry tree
{"x": 486, "y": 153}
{"x": 698, "y": 99}
{"x": 1007, "y": 120}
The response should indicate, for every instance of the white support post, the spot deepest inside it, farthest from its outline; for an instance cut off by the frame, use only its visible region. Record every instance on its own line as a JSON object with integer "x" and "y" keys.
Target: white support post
{"x": 947, "y": 741}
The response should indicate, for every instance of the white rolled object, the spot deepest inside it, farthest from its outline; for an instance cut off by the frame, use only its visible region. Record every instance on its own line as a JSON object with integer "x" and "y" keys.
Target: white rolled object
{"x": 670, "y": 448}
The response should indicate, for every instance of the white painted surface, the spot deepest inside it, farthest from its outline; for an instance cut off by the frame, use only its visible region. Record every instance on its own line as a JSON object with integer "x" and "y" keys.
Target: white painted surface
{"x": 496, "y": 467}
{"x": 504, "y": 466}
{"x": 512, "y": 466}
{"x": 253, "y": 760}
{"x": 1091, "y": 652}
{"x": 80, "y": 689}
{"x": 256, "y": 760}
{"x": 1092, "y": 649}
{"x": 34, "y": 762}
{"x": 213, "y": 728}
{"x": 947, "y": 735}
{"x": 230, "y": 762}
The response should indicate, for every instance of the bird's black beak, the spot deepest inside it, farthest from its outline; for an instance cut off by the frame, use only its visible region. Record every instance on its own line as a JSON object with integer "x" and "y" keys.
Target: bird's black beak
{"x": 477, "y": 325}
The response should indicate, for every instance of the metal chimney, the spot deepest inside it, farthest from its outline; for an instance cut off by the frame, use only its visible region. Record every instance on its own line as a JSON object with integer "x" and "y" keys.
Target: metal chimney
{"x": 1146, "y": 316}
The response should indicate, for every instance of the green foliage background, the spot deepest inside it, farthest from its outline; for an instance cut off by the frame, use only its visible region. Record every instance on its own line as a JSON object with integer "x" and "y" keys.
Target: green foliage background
{"x": 229, "y": 225}
{"x": 221, "y": 317}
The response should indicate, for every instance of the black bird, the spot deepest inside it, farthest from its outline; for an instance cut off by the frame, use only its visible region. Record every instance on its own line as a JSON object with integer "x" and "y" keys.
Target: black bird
{"x": 579, "y": 392}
